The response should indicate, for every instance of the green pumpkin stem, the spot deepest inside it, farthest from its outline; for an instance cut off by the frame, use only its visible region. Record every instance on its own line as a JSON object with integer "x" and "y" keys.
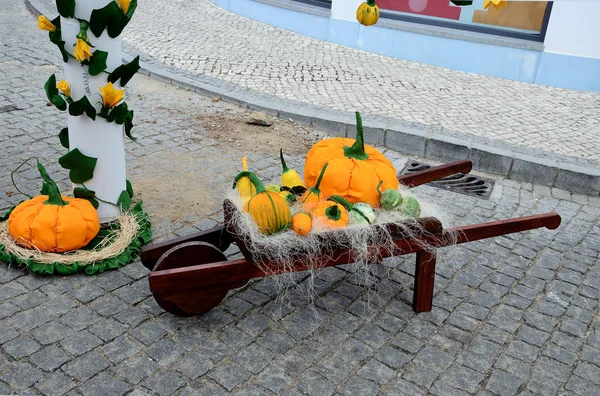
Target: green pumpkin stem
{"x": 316, "y": 187}
{"x": 50, "y": 188}
{"x": 253, "y": 179}
{"x": 349, "y": 207}
{"x": 371, "y": 3}
{"x": 378, "y": 187}
{"x": 333, "y": 213}
{"x": 285, "y": 168}
{"x": 342, "y": 201}
{"x": 357, "y": 150}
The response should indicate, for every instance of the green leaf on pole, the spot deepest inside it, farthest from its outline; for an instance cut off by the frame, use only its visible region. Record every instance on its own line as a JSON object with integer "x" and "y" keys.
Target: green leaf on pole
{"x": 53, "y": 95}
{"x": 97, "y": 62}
{"x": 66, "y": 8}
{"x": 124, "y": 200}
{"x": 125, "y": 72}
{"x": 129, "y": 125}
{"x": 81, "y": 106}
{"x": 87, "y": 194}
{"x": 64, "y": 137}
{"x": 129, "y": 188}
{"x": 118, "y": 113}
{"x": 111, "y": 18}
{"x": 81, "y": 166}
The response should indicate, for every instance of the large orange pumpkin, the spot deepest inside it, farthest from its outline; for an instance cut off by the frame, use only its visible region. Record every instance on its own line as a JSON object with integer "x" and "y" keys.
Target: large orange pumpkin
{"x": 354, "y": 171}
{"x": 51, "y": 223}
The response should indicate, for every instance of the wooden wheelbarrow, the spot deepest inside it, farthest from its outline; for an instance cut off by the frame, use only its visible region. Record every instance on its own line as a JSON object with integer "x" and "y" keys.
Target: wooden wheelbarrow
{"x": 191, "y": 275}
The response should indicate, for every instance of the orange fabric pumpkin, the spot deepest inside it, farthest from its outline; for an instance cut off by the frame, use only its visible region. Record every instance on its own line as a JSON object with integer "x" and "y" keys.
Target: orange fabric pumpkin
{"x": 355, "y": 169}
{"x": 330, "y": 214}
{"x": 301, "y": 223}
{"x": 51, "y": 223}
{"x": 269, "y": 210}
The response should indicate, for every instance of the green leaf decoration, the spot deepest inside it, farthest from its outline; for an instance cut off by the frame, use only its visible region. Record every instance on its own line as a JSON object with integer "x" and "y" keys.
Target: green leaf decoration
{"x": 118, "y": 113}
{"x": 129, "y": 125}
{"x": 125, "y": 72}
{"x": 124, "y": 200}
{"x": 81, "y": 106}
{"x": 53, "y": 95}
{"x": 132, "y": 8}
{"x": 66, "y": 8}
{"x": 129, "y": 188}
{"x": 87, "y": 194}
{"x": 64, "y": 137}
{"x": 110, "y": 18}
{"x": 97, "y": 62}
{"x": 81, "y": 166}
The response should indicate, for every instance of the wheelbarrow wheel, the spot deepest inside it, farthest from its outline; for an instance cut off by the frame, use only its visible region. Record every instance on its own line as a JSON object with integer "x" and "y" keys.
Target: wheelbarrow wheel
{"x": 192, "y": 301}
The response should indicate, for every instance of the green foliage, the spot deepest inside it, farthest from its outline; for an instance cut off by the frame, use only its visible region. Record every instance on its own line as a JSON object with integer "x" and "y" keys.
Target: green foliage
{"x": 52, "y": 93}
{"x": 125, "y": 72}
{"x": 87, "y": 194}
{"x": 111, "y": 18}
{"x": 97, "y": 63}
{"x": 55, "y": 38}
{"x": 64, "y": 137}
{"x": 66, "y": 8}
{"x": 124, "y": 200}
{"x": 81, "y": 166}
{"x": 129, "y": 188}
{"x": 81, "y": 106}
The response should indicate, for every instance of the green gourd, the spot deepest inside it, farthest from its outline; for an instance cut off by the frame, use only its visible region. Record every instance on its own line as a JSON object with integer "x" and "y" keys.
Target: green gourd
{"x": 358, "y": 213}
{"x": 410, "y": 207}
{"x": 390, "y": 198}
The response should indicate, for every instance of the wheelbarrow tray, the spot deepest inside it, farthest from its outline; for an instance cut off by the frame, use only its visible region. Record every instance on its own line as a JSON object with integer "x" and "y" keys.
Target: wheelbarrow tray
{"x": 191, "y": 275}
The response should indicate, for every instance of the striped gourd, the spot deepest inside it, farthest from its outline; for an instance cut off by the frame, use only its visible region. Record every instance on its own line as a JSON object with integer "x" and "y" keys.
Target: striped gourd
{"x": 269, "y": 209}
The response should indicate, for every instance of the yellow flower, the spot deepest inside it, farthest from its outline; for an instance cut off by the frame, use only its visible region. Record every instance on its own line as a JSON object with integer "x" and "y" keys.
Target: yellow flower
{"x": 111, "y": 96}
{"x": 82, "y": 50}
{"x": 45, "y": 24}
{"x": 63, "y": 85}
{"x": 124, "y": 4}
{"x": 496, "y": 3}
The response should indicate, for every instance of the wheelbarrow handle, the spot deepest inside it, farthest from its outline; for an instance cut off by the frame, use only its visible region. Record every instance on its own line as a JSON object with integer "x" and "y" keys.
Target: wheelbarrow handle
{"x": 438, "y": 172}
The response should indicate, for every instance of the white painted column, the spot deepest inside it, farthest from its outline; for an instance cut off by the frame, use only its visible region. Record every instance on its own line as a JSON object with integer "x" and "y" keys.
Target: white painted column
{"x": 99, "y": 139}
{"x": 573, "y": 29}
{"x": 345, "y": 9}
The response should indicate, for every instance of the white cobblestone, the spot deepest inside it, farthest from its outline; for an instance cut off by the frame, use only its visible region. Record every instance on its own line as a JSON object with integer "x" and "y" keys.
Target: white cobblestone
{"x": 206, "y": 39}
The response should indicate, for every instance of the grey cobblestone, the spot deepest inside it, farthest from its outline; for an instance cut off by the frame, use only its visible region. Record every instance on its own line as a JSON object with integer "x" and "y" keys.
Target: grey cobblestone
{"x": 516, "y": 311}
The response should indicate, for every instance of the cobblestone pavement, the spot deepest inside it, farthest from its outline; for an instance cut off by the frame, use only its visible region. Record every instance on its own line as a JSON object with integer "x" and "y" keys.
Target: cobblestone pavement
{"x": 204, "y": 39}
{"x": 517, "y": 314}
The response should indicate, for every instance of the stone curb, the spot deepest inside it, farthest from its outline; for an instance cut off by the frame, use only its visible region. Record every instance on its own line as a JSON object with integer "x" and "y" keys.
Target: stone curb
{"x": 495, "y": 157}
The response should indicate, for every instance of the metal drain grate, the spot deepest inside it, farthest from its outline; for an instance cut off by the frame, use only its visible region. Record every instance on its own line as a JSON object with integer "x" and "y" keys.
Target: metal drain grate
{"x": 8, "y": 108}
{"x": 474, "y": 186}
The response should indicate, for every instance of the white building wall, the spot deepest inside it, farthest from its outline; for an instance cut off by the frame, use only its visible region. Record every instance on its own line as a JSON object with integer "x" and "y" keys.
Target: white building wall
{"x": 345, "y": 9}
{"x": 574, "y": 29}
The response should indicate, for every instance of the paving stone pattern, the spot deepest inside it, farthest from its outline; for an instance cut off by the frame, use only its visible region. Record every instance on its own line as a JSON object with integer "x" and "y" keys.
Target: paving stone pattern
{"x": 201, "y": 38}
{"x": 517, "y": 314}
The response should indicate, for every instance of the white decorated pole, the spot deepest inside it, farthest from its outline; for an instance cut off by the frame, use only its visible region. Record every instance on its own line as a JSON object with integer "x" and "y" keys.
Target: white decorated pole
{"x": 97, "y": 138}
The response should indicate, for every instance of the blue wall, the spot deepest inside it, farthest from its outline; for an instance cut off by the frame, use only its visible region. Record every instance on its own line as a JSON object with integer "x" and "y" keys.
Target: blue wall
{"x": 498, "y": 61}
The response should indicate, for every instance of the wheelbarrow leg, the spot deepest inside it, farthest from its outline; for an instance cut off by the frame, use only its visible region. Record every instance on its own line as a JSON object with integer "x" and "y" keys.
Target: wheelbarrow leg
{"x": 424, "y": 281}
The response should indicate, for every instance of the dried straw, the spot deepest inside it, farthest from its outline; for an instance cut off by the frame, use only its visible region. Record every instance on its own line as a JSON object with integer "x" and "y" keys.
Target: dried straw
{"x": 112, "y": 246}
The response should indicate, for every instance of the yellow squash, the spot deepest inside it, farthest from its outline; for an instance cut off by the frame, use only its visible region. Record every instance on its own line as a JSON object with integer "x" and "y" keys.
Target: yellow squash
{"x": 289, "y": 177}
{"x": 245, "y": 188}
{"x": 367, "y": 13}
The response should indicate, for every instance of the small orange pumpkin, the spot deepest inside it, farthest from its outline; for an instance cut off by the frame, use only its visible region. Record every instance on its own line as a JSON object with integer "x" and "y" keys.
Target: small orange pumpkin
{"x": 313, "y": 195}
{"x": 301, "y": 223}
{"x": 330, "y": 214}
{"x": 269, "y": 210}
{"x": 355, "y": 169}
{"x": 51, "y": 223}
